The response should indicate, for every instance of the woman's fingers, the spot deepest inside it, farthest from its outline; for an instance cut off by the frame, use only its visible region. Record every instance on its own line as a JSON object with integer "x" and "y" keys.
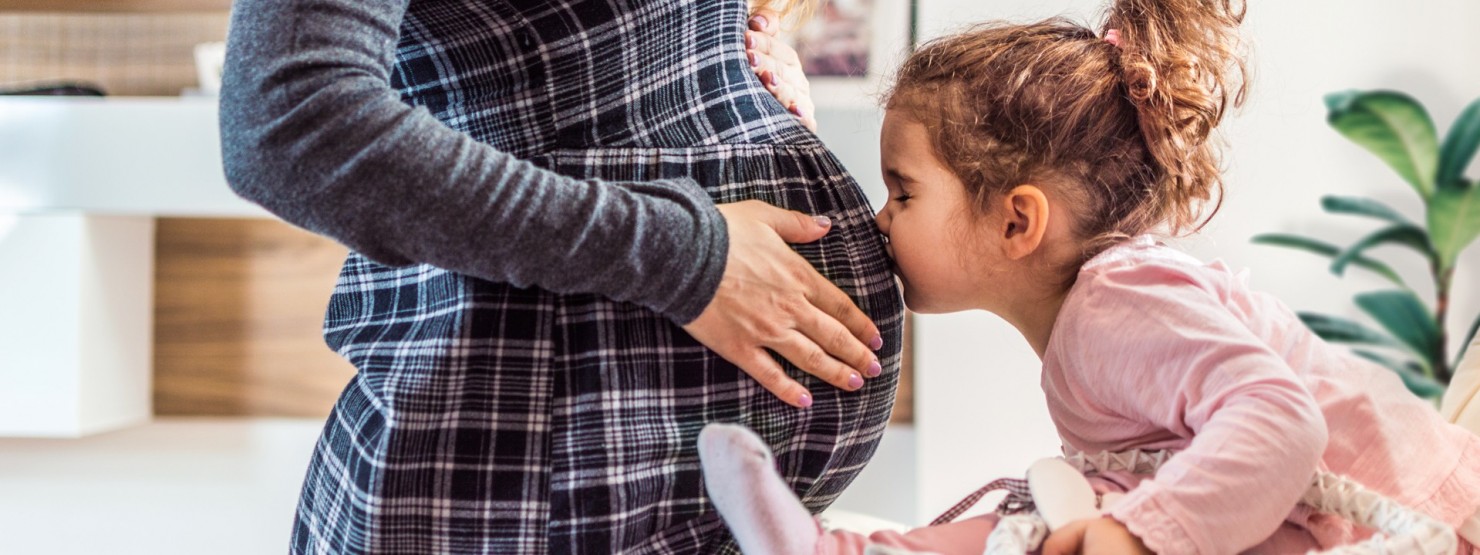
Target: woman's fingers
{"x": 771, "y": 298}
{"x": 826, "y": 331}
{"x": 738, "y": 334}
{"x": 803, "y": 109}
{"x": 798, "y": 103}
{"x": 764, "y": 20}
{"x": 772, "y": 47}
{"x": 780, "y": 70}
{"x": 837, "y": 305}
{"x": 759, "y": 365}
{"x": 783, "y": 91}
{"x": 768, "y": 54}
{"x": 806, "y": 354}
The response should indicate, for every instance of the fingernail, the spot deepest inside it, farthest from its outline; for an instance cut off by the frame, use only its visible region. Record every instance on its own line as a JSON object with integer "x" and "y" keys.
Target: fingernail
{"x": 805, "y": 401}
{"x": 877, "y": 343}
{"x": 854, "y": 381}
{"x": 874, "y": 369}
{"x": 753, "y": 61}
{"x": 771, "y": 78}
{"x": 760, "y": 22}
{"x": 824, "y": 221}
{"x": 749, "y": 41}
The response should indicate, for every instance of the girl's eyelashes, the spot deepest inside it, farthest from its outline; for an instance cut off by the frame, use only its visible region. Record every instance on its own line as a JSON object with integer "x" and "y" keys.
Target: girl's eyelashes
{"x": 903, "y": 197}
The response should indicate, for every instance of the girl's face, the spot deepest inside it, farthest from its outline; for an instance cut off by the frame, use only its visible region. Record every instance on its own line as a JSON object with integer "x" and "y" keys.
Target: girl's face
{"x": 934, "y": 239}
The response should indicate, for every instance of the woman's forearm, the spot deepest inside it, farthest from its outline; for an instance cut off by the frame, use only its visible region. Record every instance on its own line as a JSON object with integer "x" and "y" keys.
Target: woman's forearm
{"x": 312, "y": 131}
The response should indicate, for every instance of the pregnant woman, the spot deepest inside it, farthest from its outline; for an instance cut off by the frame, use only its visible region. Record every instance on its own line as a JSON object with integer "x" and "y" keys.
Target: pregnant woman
{"x": 559, "y": 270}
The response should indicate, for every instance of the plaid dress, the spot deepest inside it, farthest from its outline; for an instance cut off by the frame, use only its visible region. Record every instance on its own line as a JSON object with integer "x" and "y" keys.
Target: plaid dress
{"x": 487, "y": 418}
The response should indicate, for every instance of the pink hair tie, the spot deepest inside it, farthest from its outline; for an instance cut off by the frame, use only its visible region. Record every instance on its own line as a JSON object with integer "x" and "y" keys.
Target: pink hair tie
{"x": 1112, "y": 36}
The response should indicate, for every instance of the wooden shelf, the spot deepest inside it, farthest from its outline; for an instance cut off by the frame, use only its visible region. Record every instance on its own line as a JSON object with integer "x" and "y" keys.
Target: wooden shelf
{"x": 114, "y": 6}
{"x": 127, "y": 53}
{"x": 239, "y": 304}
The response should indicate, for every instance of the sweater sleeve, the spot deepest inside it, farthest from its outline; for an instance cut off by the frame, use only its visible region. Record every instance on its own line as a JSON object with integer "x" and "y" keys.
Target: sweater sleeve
{"x": 1158, "y": 347}
{"x": 312, "y": 131}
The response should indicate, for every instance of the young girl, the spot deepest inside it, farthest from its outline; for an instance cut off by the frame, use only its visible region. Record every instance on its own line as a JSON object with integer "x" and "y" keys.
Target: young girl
{"x": 1026, "y": 166}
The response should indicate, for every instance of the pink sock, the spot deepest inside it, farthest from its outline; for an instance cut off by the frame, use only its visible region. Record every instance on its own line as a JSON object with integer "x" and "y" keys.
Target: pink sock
{"x": 759, "y": 508}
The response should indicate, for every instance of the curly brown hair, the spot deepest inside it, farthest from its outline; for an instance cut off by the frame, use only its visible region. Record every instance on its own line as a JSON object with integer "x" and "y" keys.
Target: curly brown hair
{"x": 1128, "y": 128}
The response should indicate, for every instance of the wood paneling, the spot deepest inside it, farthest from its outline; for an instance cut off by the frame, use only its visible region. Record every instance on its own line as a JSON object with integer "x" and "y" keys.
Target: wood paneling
{"x": 115, "y": 6}
{"x": 239, "y": 304}
{"x": 131, "y": 54}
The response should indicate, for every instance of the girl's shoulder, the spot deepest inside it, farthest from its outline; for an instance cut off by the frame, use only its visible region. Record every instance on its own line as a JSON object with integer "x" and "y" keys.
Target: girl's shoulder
{"x": 1138, "y": 252}
{"x": 1141, "y": 286}
{"x": 1143, "y": 264}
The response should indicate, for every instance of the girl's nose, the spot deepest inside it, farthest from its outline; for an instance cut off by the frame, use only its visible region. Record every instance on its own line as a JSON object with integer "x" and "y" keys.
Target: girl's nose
{"x": 881, "y": 219}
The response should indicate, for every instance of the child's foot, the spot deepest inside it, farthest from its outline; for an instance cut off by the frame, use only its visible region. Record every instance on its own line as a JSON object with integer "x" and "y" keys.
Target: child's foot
{"x": 759, "y": 508}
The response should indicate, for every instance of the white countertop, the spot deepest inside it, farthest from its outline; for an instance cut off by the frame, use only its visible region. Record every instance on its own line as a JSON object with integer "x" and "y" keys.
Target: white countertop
{"x": 127, "y": 156}
{"x": 162, "y": 156}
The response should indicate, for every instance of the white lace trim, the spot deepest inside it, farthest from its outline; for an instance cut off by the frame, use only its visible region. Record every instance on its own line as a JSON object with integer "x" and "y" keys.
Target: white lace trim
{"x": 1401, "y": 529}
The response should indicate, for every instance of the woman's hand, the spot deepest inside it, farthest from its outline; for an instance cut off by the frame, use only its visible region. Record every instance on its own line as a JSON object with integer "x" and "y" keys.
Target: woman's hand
{"x": 1094, "y": 536}
{"x": 771, "y": 298}
{"x": 778, "y": 66}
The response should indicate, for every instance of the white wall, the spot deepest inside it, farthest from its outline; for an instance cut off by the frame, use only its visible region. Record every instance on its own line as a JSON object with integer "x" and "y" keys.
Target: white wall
{"x": 980, "y": 412}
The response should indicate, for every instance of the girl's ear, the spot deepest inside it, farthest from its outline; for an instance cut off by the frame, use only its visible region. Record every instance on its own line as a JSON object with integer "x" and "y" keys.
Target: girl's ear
{"x": 1026, "y": 210}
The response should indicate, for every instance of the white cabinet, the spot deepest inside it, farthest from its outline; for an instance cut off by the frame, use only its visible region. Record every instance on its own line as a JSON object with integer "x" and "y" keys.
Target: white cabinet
{"x": 81, "y": 181}
{"x": 75, "y": 316}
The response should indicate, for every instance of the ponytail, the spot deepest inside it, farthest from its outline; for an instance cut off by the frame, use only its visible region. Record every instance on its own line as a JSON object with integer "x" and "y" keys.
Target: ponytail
{"x": 1181, "y": 71}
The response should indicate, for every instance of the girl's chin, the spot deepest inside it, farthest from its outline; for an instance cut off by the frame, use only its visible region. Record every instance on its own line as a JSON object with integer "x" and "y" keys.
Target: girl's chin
{"x": 921, "y": 304}
{"x": 916, "y": 304}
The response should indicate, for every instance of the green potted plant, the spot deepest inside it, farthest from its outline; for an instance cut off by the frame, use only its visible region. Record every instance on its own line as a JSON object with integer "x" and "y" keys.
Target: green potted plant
{"x": 1395, "y": 127}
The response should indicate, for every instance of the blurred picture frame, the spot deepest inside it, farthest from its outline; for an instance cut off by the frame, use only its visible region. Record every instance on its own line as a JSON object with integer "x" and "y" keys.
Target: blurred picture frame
{"x": 850, "y": 48}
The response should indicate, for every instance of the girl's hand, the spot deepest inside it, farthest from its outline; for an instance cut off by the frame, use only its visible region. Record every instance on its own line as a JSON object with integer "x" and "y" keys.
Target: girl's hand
{"x": 778, "y": 66}
{"x": 1094, "y": 536}
{"x": 771, "y": 298}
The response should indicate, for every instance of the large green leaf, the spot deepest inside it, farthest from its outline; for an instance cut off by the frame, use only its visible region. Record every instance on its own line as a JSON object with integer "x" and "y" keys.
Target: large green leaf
{"x": 1404, "y": 234}
{"x": 1454, "y": 221}
{"x": 1319, "y": 247}
{"x": 1460, "y": 145}
{"x": 1393, "y": 126}
{"x": 1402, "y": 314}
{"x": 1411, "y": 373}
{"x": 1362, "y": 206}
{"x": 1341, "y": 330}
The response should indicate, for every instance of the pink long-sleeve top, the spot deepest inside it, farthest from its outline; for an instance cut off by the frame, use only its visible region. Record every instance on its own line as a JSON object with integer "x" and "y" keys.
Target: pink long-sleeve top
{"x": 1156, "y": 350}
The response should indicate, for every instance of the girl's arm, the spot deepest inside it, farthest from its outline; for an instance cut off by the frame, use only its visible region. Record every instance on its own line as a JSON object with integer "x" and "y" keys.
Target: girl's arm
{"x": 1162, "y": 349}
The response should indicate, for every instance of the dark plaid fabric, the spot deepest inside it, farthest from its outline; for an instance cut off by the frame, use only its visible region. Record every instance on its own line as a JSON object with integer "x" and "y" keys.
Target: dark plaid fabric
{"x": 492, "y": 419}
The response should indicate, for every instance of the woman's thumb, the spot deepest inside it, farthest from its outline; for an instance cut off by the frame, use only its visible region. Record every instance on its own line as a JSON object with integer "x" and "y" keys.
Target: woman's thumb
{"x": 796, "y": 227}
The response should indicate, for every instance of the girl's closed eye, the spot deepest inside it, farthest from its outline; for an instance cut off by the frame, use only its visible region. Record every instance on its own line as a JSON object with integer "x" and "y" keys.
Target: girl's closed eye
{"x": 903, "y": 197}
